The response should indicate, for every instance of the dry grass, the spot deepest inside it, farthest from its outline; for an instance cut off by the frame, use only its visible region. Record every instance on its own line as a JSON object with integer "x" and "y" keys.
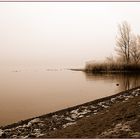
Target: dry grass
{"x": 112, "y": 67}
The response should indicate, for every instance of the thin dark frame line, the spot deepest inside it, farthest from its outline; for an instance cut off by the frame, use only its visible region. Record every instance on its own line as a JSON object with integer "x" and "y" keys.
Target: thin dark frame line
{"x": 69, "y": 1}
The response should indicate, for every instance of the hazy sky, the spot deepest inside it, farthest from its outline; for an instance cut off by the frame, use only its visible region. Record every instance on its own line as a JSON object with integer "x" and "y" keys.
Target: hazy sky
{"x": 61, "y": 34}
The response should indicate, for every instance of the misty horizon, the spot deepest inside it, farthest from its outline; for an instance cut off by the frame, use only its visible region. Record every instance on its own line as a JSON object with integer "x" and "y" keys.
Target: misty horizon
{"x": 61, "y": 35}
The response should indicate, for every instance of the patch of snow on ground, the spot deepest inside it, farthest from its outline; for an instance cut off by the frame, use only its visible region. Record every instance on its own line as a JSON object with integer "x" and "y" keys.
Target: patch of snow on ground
{"x": 137, "y": 89}
{"x": 101, "y": 103}
{"x": 105, "y": 106}
{"x": 54, "y": 116}
{"x": 35, "y": 120}
{"x": 24, "y": 137}
{"x": 93, "y": 106}
{"x": 75, "y": 111}
{"x": 1, "y": 132}
{"x": 81, "y": 116}
{"x": 68, "y": 119}
{"x": 68, "y": 124}
{"x": 126, "y": 99}
{"x": 74, "y": 116}
{"x": 54, "y": 128}
{"x": 85, "y": 111}
{"x": 113, "y": 99}
{"x": 120, "y": 97}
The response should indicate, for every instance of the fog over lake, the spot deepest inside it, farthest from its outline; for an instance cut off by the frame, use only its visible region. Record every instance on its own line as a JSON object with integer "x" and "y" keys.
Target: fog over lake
{"x": 39, "y": 41}
{"x": 61, "y": 34}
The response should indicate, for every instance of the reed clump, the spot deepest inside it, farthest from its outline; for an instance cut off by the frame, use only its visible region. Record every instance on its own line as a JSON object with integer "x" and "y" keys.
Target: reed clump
{"x": 112, "y": 67}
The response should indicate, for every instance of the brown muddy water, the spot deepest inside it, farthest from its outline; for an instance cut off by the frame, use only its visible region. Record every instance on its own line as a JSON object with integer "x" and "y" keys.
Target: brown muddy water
{"x": 26, "y": 93}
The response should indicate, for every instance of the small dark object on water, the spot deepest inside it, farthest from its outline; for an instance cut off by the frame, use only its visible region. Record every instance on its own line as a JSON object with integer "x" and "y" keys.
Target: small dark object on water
{"x": 117, "y": 84}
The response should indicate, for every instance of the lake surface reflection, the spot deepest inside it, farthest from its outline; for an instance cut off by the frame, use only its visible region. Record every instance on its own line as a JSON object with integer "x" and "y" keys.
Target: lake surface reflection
{"x": 28, "y": 93}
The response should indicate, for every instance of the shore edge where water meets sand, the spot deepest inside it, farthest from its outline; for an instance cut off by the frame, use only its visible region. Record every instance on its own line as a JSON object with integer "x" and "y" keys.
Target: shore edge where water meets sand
{"x": 50, "y": 125}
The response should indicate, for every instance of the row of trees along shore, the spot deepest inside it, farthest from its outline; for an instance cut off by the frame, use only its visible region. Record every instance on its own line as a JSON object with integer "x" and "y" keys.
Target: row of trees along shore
{"x": 128, "y": 50}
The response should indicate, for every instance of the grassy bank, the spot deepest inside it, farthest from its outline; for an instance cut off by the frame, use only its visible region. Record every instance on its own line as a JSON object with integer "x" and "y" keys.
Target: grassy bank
{"x": 112, "y": 68}
{"x": 121, "y": 120}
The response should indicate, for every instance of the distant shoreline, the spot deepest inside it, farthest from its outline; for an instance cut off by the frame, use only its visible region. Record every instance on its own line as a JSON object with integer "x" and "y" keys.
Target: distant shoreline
{"x": 77, "y": 69}
{"x": 111, "y": 72}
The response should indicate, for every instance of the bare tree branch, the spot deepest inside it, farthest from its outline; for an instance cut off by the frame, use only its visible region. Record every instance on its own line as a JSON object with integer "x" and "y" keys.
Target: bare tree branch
{"x": 123, "y": 41}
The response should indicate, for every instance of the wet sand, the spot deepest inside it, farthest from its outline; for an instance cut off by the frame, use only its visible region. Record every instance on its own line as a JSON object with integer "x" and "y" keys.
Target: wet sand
{"x": 99, "y": 118}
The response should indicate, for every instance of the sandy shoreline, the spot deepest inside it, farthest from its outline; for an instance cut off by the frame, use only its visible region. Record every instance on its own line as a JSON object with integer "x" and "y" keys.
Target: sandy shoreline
{"x": 42, "y": 126}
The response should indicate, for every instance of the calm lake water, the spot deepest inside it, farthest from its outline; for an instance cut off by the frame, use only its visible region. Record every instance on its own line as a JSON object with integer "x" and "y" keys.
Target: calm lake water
{"x": 28, "y": 93}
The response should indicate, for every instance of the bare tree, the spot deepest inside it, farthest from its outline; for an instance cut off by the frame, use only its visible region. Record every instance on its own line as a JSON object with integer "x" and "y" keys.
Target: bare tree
{"x": 123, "y": 41}
{"x": 135, "y": 49}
